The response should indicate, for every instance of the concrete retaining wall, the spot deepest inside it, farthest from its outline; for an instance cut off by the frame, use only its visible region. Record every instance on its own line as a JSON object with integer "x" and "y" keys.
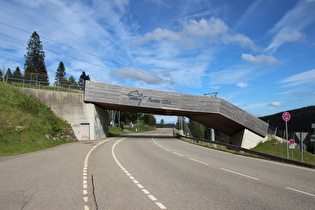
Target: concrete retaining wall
{"x": 88, "y": 121}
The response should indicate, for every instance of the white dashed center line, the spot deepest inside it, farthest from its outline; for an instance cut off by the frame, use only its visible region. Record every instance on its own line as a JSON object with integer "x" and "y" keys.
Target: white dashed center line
{"x": 199, "y": 161}
{"x": 146, "y": 192}
{"x": 300, "y": 191}
{"x": 240, "y": 174}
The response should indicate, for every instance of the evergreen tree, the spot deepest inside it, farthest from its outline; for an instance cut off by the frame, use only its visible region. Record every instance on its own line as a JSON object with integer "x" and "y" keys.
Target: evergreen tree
{"x": 72, "y": 81}
{"x": 17, "y": 73}
{"x": 1, "y": 75}
{"x": 9, "y": 73}
{"x": 60, "y": 74}
{"x": 82, "y": 79}
{"x": 35, "y": 59}
{"x": 162, "y": 125}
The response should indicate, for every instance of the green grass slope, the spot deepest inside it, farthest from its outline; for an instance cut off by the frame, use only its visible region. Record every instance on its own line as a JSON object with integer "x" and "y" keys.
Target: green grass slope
{"x": 27, "y": 125}
{"x": 277, "y": 148}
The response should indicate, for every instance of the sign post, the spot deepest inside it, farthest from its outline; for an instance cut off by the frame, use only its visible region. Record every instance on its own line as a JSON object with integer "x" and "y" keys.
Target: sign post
{"x": 301, "y": 136}
{"x": 286, "y": 117}
{"x": 292, "y": 146}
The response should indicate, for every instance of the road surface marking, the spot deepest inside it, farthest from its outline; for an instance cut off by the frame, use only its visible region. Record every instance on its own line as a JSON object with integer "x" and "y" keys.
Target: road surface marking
{"x": 166, "y": 149}
{"x": 199, "y": 161}
{"x": 300, "y": 191}
{"x": 152, "y": 197}
{"x": 140, "y": 186}
{"x": 178, "y": 154}
{"x": 234, "y": 172}
{"x": 145, "y": 191}
{"x": 85, "y": 173}
{"x": 160, "y": 205}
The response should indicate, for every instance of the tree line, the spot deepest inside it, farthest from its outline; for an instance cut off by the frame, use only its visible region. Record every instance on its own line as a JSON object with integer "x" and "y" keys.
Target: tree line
{"x": 35, "y": 68}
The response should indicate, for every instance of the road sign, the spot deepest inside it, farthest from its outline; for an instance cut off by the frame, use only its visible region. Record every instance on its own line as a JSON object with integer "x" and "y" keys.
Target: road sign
{"x": 286, "y": 116}
{"x": 291, "y": 141}
{"x": 301, "y": 135}
{"x": 292, "y": 146}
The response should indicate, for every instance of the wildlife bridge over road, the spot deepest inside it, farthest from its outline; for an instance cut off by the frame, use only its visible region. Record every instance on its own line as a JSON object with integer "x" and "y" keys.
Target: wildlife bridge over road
{"x": 244, "y": 129}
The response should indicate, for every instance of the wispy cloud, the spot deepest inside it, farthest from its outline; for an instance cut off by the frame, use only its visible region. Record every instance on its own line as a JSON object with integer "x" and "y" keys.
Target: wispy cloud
{"x": 260, "y": 59}
{"x": 304, "y": 78}
{"x": 275, "y": 104}
{"x": 289, "y": 28}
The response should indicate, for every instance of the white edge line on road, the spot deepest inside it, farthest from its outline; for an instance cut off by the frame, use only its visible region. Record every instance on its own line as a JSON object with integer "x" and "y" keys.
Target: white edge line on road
{"x": 199, "y": 161}
{"x": 300, "y": 191}
{"x": 234, "y": 172}
{"x": 85, "y": 171}
{"x": 133, "y": 179}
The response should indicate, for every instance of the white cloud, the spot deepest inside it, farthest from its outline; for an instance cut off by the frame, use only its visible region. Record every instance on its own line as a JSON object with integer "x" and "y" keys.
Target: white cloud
{"x": 275, "y": 104}
{"x": 198, "y": 34}
{"x": 289, "y": 28}
{"x": 237, "y": 75}
{"x": 260, "y": 59}
{"x": 307, "y": 77}
{"x": 242, "y": 84}
{"x": 284, "y": 37}
{"x": 135, "y": 74}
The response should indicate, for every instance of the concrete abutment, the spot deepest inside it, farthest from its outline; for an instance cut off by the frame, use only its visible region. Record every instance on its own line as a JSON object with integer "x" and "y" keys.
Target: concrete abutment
{"x": 87, "y": 120}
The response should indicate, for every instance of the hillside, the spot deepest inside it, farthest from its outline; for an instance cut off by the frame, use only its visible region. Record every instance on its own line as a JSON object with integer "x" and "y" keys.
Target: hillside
{"x": 301, "y": 120}
{"x": 27, "y": 125}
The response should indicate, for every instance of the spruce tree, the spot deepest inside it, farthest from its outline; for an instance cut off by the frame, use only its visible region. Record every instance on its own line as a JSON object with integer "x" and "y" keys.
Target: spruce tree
{"x": 17, "y": 73}
{"x": 9, "y": 74}
{"x": 60, "y": 74}
{"x": 82, "y": 79}
{"x": 35, "y": 59}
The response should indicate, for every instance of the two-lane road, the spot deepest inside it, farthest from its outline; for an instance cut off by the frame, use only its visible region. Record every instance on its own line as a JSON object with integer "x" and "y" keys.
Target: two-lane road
{"x": 156, "y": 171}
{"x": 150, "y": 171}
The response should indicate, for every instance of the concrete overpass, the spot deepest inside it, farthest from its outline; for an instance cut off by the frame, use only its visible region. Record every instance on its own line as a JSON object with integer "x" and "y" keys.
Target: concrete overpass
{"x": 244, "y": 129}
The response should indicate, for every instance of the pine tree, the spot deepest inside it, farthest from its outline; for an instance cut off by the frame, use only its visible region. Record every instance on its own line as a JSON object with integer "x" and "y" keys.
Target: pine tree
{"x": 1, "y": 75}
{"x": 35, "y": 59}
{"x": 82, "y": 79}
{"x": 60, "y": 74}
{"x": 17, "y": 73}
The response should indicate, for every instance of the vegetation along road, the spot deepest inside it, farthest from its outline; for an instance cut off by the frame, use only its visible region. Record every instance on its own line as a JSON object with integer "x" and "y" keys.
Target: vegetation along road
{"x": 151, "y": 170}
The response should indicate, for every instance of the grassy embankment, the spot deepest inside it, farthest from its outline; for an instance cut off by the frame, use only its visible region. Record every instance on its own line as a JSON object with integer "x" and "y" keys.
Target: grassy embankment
{"x": 27, "y": 125}
{"x": 277, "y": 148}
{"x": 272, "y": 147}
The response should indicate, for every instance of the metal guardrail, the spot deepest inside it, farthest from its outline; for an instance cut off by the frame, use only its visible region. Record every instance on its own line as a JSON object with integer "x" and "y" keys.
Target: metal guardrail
{"x": 261, "y": 154}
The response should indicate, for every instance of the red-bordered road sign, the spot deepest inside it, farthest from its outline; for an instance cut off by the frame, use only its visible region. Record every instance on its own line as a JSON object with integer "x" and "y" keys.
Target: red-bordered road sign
{"x": 286, "y": 116}
{"x": 291, "y": 141}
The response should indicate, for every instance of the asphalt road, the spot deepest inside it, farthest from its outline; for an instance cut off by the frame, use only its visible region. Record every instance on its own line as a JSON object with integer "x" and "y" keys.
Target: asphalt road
{"x": 150, "y": 171}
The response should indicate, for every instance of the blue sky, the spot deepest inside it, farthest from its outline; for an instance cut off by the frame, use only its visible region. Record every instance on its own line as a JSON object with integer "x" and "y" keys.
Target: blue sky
{"x": 258, "y": 55}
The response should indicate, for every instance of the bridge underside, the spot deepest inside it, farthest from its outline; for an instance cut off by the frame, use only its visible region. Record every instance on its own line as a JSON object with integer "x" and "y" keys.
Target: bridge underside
{"x": 244, "y": 129}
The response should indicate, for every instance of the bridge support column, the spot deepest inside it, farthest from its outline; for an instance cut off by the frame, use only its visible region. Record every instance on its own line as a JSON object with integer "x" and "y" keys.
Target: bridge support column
{"x": 246, "y": 139}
